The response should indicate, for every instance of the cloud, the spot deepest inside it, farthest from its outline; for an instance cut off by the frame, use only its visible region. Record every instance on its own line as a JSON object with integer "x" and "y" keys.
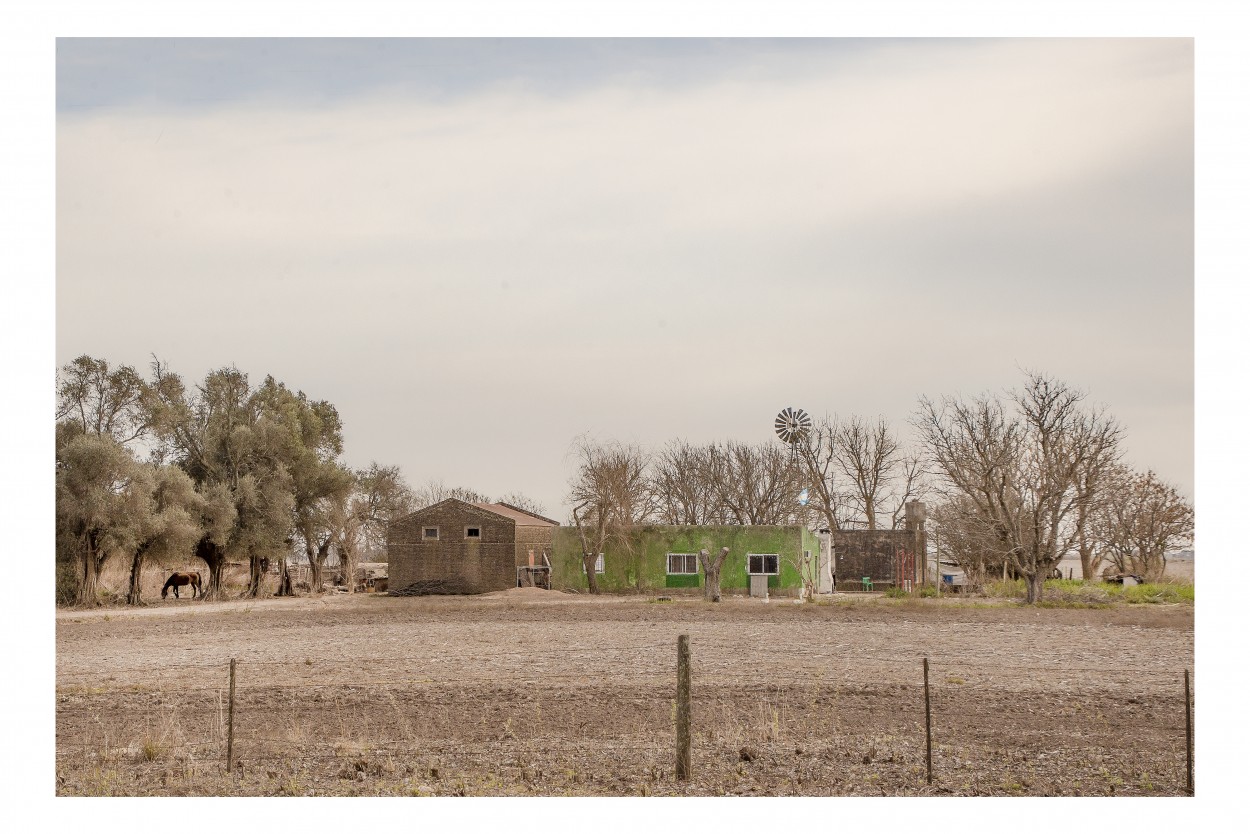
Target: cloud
{"x": 669, "y": 242}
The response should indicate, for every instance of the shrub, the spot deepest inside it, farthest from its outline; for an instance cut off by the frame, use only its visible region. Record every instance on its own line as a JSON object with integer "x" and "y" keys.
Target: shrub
{"x": 1152, "y": 592}
{"x": 1006, "y": 588}
{"x": 896, "y": 592}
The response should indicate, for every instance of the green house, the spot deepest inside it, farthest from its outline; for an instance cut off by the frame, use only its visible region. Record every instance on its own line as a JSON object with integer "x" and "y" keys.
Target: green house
{"x": 661, "y": 557}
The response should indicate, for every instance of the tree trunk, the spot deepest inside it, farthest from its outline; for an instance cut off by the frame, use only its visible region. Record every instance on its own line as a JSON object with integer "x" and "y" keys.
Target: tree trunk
{"x": 316, "y": 562}
{"x": 347, "y": 564}
{"x": 1085, "y": 547}
{"x": 1033, "y": 587}
{"x": 255, "y": 572}
{"x": 136, "y": 571}
{"x": 588, "y": 564}
{"x": 89, "y": 575}
{"x": 284, "y": 580}
{"x": 1089, "y": 566}
{"x": 711, "y": 573}
{"x": 215, "y": 558}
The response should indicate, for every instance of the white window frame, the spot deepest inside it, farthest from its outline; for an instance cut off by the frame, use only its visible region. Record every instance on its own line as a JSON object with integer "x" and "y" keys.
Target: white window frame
{"x": 476, "y": 527}
{"x": 668, "y": 564}
{"x": 598, "y": 564}
{"x": 426, "y": 537}
{"x": 776, "y": 572}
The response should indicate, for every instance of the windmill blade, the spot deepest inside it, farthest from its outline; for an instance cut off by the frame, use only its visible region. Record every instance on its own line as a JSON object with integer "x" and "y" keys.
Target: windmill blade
{"x": 792, "y": 425}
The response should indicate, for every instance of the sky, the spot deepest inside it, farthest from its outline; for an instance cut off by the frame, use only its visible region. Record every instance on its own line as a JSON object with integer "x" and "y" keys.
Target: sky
{"x": 480, "y": 250}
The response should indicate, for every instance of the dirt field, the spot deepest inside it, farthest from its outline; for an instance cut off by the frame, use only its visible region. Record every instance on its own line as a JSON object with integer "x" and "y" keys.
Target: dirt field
{"x": 535, "y": 692}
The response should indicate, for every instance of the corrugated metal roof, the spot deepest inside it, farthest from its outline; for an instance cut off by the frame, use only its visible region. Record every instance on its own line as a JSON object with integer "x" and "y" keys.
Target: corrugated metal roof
{"x": 522, "y": 518}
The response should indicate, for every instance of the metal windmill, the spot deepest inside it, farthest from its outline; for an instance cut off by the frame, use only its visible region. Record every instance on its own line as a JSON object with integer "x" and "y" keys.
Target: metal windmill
{"x": 792, "y": 426}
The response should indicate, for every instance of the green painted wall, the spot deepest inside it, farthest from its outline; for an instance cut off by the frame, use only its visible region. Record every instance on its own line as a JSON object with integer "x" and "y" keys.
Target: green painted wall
{"x": 645, "y": 568}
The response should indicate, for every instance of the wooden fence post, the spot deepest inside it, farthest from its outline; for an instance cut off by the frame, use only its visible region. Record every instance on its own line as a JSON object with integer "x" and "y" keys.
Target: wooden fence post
{"x": 928, "y": 728}
{"x": 230, "y": 723}
{"x": 1189, "y": 739}
{"x": 683, "y": 707}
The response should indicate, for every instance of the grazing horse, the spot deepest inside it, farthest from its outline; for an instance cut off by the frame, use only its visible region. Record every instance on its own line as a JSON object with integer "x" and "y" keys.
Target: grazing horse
{"x": 177, "y": 580}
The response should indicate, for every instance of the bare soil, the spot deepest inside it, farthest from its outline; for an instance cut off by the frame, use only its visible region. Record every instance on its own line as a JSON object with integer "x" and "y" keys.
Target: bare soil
{"x": 532, "y": 692}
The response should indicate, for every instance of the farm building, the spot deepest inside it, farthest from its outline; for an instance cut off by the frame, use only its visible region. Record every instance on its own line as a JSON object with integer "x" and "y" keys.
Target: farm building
{"x": 455, "y": 547}
{"x": 885, "y": 558}
{"x": 660, "y": 557}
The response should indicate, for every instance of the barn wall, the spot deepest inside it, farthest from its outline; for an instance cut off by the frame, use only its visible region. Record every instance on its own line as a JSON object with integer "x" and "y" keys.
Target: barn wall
{"x": 872, "y": 553}
{"x": 536, "y": 539}
{"x": 451, "y": 565}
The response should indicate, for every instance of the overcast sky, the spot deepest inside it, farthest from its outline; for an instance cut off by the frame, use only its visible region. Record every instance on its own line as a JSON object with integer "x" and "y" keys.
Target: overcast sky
{"x": 480, "y": 249}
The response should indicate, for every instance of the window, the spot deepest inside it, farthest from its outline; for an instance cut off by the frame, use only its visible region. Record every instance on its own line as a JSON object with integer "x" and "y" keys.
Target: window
{"x": 683, "y": 563}
{"x": 473, "y": 532}
{"x": 598, "y": 564}
{"x": 429, "y": 533}
{"x": 763, "y": 563}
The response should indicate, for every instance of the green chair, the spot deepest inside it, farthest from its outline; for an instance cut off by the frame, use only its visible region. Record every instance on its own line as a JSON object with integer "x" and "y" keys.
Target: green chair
{"x": 867, "y": 583}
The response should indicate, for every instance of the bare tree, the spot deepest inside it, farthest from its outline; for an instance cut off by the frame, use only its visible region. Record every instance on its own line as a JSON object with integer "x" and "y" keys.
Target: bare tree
{"x": 859, "y": 470}
{"x": 685, "y": 484}
{"x": 611, "y": 493}
{"x": 910, "y": 484}
{"x": 711, "y": 573}
{"x": 1140, "y": 521}
{"x": 435, "y": 490}
{"x": 760, "y": 484}
{"x": 867, "y": 453}
{"x": 522, "y": 502}
{"x": 963, "y": 535}
{"x": 818, "y": 453}
{"x": 1019, "y": 466}
{"x": 807, "y": 567}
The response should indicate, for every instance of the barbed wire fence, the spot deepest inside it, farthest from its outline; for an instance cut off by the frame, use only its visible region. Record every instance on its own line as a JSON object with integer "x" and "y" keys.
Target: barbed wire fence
{"x": 919, "y": 724}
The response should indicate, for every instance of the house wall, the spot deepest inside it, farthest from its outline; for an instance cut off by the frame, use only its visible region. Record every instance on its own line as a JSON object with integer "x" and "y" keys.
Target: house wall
{"x": 643, "y": 565}
{"x": 453, "y": 564}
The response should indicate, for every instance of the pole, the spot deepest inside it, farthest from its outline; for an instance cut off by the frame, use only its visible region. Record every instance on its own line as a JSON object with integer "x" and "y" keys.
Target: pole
{"x": 683, "y": 707}
{"x": 230, "y": 723}
{"x": 1189, "y": 740}
{"x": 928, "y": 729}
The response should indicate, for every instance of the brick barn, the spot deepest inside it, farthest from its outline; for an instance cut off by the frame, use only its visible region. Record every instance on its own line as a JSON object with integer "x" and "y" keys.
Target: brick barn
{"x": 455, "y": 547}
{"x": 885, "y": 557}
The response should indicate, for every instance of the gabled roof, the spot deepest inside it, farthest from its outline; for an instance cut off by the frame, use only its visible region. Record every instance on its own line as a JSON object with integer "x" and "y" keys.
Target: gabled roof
{"x": 517, "y": 515}
{"x": 523, "y": 518}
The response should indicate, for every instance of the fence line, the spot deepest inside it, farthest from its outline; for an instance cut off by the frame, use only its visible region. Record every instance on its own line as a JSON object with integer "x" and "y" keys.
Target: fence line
{"x": 921, "y": 705}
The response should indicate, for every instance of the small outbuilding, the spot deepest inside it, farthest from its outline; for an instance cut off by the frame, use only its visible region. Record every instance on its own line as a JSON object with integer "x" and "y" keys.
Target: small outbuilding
{"x": 457, "y": 547}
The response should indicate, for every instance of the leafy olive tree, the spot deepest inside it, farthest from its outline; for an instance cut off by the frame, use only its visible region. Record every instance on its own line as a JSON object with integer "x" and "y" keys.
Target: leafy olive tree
{"x": 271, "y": 451}
{"x": 168, "y": 523}
{"x": 101, "y": 502}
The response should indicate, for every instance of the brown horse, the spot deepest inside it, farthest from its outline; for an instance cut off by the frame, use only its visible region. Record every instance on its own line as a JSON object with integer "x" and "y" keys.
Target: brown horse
{"x": 177, "y": 580}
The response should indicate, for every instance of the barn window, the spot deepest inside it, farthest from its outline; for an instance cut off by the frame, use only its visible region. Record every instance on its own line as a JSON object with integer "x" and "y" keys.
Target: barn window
{"x": 683, "y": 563}
{"x": 429, "y": 533}
{"x": 598, "y": 564}
{"x": 473, "y": 532}
{"x": 763, "y": 563}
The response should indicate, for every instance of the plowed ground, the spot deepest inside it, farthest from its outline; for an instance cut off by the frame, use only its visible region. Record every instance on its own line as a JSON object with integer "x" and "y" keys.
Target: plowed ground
{"x": 531, "y": 692}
